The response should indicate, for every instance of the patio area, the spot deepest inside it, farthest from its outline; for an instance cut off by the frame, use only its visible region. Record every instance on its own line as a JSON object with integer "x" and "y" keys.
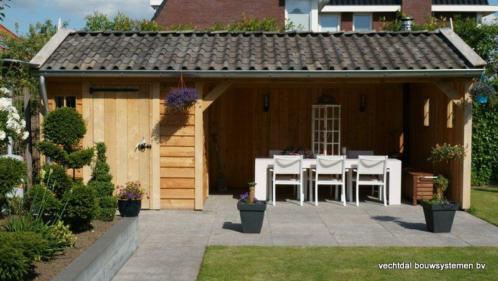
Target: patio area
{"x": 172, "y": 243}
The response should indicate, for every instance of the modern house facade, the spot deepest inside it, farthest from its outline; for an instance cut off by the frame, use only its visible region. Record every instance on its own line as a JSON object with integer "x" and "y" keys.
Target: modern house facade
{"x": 256, "y": 92}
{"x": 316, "y": 15}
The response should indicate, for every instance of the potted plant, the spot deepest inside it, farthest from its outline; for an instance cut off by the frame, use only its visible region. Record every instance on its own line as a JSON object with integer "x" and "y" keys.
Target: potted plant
{"x": 181, "y": 98}
{"x": 130, "y": 199}
{"x": 439, "y": 212}
{"x": 252, "y": 211}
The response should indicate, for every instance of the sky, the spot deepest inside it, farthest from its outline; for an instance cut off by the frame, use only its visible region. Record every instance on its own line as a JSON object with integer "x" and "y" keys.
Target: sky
{"x": 26, "y": 12}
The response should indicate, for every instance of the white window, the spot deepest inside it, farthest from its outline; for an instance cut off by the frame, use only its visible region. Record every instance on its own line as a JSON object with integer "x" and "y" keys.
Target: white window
{"x": 330, "y": 22}
{"x": 362, "y": 22}
{"x": 298, "y": 14}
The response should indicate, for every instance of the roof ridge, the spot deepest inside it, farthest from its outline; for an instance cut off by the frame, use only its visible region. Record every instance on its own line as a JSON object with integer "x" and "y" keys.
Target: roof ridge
{"x": 251, "y": 32}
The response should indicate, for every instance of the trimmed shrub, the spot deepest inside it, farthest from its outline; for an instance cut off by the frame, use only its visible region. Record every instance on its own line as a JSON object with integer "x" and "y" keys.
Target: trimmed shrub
{"x": 81, "y": 206}
{"x": 42, "y": 203}
{"x": 32, "y": 244}
{"x": 56, "y": 179}
{"x": 107, "y": 208}
{"x": 12, "y": 173}
{"x": 14, "y": 265}
{"x": 64, "y": 126}
{"x": 62, "y": 235}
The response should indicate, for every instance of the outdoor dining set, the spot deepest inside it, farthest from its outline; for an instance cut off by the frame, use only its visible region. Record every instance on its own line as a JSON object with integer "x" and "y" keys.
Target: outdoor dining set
{"x": 341, "y": 172}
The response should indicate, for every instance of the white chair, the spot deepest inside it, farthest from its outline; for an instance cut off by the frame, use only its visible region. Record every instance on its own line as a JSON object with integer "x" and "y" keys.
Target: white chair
{"x": 287, "y": 170}
{"x": 371, "y": 171}
{"x": 328, "y": 168}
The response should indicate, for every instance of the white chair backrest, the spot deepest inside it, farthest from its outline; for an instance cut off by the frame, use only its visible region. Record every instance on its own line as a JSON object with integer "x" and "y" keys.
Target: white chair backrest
{"x": 330, "y": 165}
{"x": 287, "y": 164}
{"x": 274, "y": 152}
{"x": 372, "y": 165}
{"x": 353, "y": 154}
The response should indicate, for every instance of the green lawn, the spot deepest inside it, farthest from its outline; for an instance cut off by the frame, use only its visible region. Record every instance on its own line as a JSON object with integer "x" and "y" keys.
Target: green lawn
{"x": 341, "y": 263}
{"x": 484, "y": 203}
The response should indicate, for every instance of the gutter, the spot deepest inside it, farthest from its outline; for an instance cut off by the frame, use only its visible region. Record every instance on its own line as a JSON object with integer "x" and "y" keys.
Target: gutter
{"x": 43, "y": 91}
{"x": 427, "y": 73}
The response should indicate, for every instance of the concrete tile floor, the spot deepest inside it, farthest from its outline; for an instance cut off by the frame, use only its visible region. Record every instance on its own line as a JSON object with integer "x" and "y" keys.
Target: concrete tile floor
{"x": 172, "y": 243}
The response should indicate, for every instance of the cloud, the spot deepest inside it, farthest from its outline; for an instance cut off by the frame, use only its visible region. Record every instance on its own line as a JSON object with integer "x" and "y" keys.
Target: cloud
{"x": 133, "y": 8}
{"x": 82, "y": 8}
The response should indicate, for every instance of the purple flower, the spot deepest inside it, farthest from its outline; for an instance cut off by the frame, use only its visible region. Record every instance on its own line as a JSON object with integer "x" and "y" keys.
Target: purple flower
{"x": 181, "y": 98}
{"x": 244, "y": 196}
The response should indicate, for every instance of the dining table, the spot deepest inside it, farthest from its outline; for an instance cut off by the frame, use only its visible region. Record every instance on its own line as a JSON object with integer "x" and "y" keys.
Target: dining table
{"x": 262, "y": 178}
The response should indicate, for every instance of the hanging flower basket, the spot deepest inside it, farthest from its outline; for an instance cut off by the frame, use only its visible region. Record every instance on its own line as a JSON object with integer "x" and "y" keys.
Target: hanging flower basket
{"x": 483, "y": 93}
{"x": 181, "y": 98}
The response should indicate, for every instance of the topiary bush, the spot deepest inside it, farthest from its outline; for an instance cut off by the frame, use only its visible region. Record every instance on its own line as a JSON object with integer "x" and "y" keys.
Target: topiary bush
{"x": 484, "y": 145}
{"x": 64, "y": 126}
{"x": 63, "y": 129}
{"x": 81, "y": 207}
{"x": 101, "y": 179}
{"x": 55, "y": 178}
{"x": 107, "y": 208}
{"x": 42, "y": 203}
{"x": 15, "y": 266}
{"x": 12, "y": 173}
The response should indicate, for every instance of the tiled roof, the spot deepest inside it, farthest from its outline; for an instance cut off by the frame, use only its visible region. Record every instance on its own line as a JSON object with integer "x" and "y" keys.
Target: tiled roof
{"x": 253, "y": 51}
{"x": 460, "y": 2}
{"x": 363, "y": 2}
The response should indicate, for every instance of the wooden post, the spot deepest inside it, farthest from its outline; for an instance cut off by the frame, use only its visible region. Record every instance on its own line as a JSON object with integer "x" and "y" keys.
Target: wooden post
{"x": 199, "y": 148}
{"x": 156, "y": 145}
{"x": 87, "y": 112}
{"x": 467, "y": 143}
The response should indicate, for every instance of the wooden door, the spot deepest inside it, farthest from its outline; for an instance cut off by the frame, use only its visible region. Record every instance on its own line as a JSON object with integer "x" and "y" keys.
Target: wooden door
{"x": 122, "y": 119}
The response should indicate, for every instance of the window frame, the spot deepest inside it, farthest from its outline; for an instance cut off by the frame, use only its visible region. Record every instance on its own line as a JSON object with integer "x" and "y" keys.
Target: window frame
{"x": 339, "y": 21}
{"x": 370, "y": 15}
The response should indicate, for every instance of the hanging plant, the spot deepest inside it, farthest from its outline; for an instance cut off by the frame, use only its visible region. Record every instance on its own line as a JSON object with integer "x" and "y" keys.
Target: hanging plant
{"x": 181, "y": 98}
{"x": 483, "y": 93}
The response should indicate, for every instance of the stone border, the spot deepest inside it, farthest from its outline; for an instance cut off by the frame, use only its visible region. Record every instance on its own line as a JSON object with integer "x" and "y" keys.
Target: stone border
{"x": 106, "y": 256}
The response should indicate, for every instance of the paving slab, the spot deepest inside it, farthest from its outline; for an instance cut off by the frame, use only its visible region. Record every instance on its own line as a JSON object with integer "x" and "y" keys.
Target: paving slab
{"x": 172, "y": 243}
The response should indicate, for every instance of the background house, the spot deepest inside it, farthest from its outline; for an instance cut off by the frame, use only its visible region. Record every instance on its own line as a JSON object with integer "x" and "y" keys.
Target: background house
{"x": 5, "y": 33}
{"x": 316, "y": 15}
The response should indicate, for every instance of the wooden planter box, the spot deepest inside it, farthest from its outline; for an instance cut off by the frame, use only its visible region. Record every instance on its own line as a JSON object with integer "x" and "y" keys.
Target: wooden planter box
{"x": 418, "y": 186}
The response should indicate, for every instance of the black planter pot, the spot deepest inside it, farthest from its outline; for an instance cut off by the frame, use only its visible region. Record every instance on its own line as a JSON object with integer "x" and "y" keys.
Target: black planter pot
{"x": 129, "y": 208}
{"x": 439, "y": 217}
{"x": 252, "y": 216}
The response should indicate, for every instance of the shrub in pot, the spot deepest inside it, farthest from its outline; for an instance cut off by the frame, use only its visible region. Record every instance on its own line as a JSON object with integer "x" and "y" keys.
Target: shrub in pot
{"x": 130, "y": 199}
{"x": 252, "y": 212}
{"x": 439, "y": 213}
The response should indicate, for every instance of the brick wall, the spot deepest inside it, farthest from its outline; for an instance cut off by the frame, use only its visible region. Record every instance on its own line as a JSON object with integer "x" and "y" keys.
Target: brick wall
{"x": 202, "y": 13}
{"x": 420, "y": 10}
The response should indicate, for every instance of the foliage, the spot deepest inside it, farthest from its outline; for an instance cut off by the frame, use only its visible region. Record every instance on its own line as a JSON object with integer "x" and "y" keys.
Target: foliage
{"x": 32, "y": 244}
{"x": 245, "y": 24}
{"x": 446, "y": 152}
{"x": 120, "y": 22}
{"x": 15, "y": 265}
{"x": 54, "y": 177}
{"x": 432, "y": 23}
{"x": 62, "y": 234}
{"x": 484, "y": 145}
{"x": 107, "y": 208}
{"x": 42, "y": 203}
{"x": 11, "y": 124}
{"x": 81, "y": 207}
{"x": 131, "y": 191}
{"x": 3, "y": 5}
{"x": 65, "y": 127}
{"x": 15, "y": 206}
{"x": 12, "y": 173}
{"x": 181, "y": 99}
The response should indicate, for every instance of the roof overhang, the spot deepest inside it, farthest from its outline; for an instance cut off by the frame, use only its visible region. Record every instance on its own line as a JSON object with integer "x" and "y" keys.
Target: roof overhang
{"x": 488, "y": 9}
{"x": 429, "y": 73}
{"x": 360, "y": 8}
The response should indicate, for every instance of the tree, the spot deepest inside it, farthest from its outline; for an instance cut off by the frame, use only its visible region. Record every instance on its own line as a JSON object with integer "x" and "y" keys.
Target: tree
{"x": 120, "y": 22}
{"x": 101, "y": 182}
{"x": 3, "y": 5}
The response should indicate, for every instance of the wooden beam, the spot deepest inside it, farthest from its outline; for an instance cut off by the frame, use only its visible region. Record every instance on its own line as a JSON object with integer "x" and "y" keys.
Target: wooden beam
{"x": 87, "y": 112}
{"x": 467, "y": 143}
{"x": 199, "y": 148}
{"x": 448, "y": 89}
{"x": 156, "y": 146}
{"x": 214, "y": 94}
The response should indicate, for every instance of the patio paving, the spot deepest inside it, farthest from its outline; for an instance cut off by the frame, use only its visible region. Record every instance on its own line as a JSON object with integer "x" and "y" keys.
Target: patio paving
{"x": 172, "y": 243}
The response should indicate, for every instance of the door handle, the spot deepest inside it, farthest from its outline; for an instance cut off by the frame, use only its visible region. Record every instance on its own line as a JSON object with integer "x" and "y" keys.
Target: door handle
{"x": 142, "y": 145}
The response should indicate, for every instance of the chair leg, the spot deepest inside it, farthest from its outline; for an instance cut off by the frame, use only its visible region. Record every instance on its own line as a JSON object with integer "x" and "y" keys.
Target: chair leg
{"x": 273, "y": 194}
{"x": 336, "y": 187}
{"x": 316, "y": 194}
{"x": 343, "y": 195}
{"x": 384, "y": 193}
{"x": 357, "y": 195}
